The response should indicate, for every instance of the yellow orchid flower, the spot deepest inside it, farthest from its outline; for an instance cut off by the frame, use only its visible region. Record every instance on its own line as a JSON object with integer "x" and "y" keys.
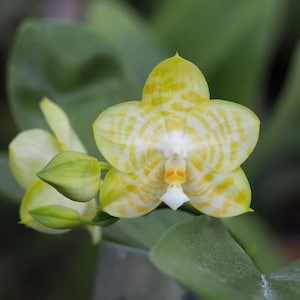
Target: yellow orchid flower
{"x": 176, "y": 145}
{"x": 30, "y": 151}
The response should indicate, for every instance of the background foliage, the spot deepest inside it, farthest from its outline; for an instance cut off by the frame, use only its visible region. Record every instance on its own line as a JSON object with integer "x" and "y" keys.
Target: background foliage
{"x": 249, "y": 52}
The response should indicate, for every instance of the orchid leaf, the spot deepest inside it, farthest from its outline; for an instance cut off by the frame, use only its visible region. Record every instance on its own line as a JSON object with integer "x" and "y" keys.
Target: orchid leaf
{"x": 82, "y": 70}
{"x": 277, "y": 137}
{"x": 251, "y": 232}
{"x": 78, "y": 70}
{"x": 134, "y": 43}
{"x": 143, "y": 232}
{"x": 201, "y": 255}
{"x": 232, "y": 42}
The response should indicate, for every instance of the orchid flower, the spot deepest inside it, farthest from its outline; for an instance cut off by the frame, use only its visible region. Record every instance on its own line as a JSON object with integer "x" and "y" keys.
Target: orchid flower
{"x": 176, "y": 146}
{"x": 30, "y": 151}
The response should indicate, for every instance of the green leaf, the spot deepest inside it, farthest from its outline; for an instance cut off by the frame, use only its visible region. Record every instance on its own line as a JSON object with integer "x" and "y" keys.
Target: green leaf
{"x": 286, "y": 281}
{"x": 202, "y": 256}
{"x": 79, "y": 70}
{"x": 279, "y": 133}
{"x": 231, "y": 43}
{"x": 253, "y": 235}
{"x": 8, "y": 185}
{"x": 83, "y": 69}
{"x": 135, "y": 45}
{"x": 143, "y": 232}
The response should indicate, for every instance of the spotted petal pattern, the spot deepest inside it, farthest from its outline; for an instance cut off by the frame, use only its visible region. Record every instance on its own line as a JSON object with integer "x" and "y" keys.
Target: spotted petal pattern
{"x": 227, "y": 195}
{"x": 175, "y": 85}
{"x": 126, "y": 134}
{"x": 225, "y": 134}
{"x": 127, "y": 195}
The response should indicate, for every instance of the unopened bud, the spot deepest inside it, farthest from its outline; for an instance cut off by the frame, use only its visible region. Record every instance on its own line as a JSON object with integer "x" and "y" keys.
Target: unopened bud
{"x": 56, "y": 216}
{"x": 75, "y": 175}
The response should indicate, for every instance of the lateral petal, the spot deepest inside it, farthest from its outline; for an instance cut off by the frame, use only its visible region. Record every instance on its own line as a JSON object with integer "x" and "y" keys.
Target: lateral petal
{"x": 126, "y": 134}
{"x": 224, "y": 133}
{"x": 227, "y": 195}
{"x": 129, "y": 195}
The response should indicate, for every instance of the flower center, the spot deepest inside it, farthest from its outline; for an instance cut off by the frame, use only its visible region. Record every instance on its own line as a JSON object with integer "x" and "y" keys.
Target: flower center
{"x": 175, "y": 170}
{"x": 174, "y": 177}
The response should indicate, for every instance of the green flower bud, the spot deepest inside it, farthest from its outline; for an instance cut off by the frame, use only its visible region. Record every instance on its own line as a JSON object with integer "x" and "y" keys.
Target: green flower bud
{"x": 56, "y": 216}
{"x": 75, "y": 175}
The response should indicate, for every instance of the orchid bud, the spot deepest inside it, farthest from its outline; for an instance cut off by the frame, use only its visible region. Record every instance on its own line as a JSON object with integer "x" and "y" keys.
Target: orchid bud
{"x": 75, "y": 175}
{"x": 56, "y": 216}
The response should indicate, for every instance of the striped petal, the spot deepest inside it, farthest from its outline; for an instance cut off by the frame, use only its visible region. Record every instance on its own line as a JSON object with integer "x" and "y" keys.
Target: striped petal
{"x": 127, "y": 134}
{"x": 227, "y": 195}
{"x": 29, "y": 152}
{"x": 175, "y": 85}
{"x": 41, "y": 194}
{"x": 224, "y": 134}
{"x": 59, "y": 123}
{"x": 134, "y": 194}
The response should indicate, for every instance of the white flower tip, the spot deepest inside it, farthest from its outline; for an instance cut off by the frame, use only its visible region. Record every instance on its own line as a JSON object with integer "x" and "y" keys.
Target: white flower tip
{"x": 174, "y": 197}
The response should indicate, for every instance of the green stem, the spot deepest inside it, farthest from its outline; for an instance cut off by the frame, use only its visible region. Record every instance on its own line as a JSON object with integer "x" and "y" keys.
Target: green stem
{"x": 104, "y": 165}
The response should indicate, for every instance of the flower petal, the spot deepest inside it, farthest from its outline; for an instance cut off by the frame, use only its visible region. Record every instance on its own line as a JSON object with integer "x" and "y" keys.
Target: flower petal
{"x": 126, "y": 134}
{"x": 175, "y": 85}
{"x": 131, "y": 195}
{"x": 224, "y": 134}
{"x": 61, "y": 127}
{"x": 227, "y": 195}
{"x": 29, "y": 152}
{"x": 41, "y": 194}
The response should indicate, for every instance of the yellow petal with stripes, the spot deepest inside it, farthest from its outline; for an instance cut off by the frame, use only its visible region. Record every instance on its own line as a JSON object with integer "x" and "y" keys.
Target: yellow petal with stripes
{"x": 228, "y": 195}
{"x": 198, "y": 177}
{"x": 129, "y": 195}
{"x": 127, "y": 134}
{"x": 175, "y": 85}
{"x": 224, "y": 134}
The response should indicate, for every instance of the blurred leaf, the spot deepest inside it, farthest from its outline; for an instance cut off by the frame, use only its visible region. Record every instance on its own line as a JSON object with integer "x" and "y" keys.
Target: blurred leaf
{"x": 83, "y": 70}
{"x": 202, "y": 256}
{"x": 286, "y": 282}
{"x": 255, "y": 238}
{"x": 240, "y": 77}
{"x": 231, "y": 42}
{"x": 8, "y": 186}
{"x": 143, "y": 232}
{"x": 279, "y": 134}
{"x": 74, "y": 67}
{"x": 130, "y": 36}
